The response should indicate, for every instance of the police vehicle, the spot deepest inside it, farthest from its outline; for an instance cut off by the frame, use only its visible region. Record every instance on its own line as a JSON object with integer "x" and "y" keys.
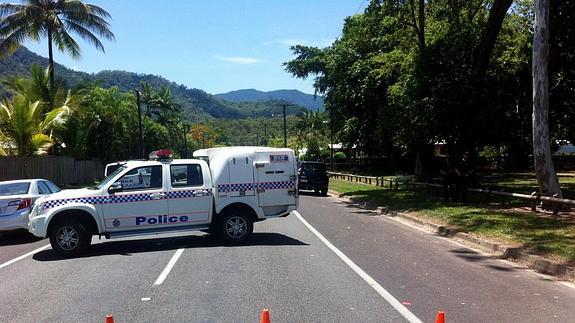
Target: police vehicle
{"x": 223, "y": 191}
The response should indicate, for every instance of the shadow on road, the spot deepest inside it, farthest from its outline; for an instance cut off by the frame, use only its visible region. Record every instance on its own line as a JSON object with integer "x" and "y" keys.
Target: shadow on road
{"x": 309, "y": 193}
{"x": 472, "y": 256}
{"x": 129, "y": 247}
{"x": 12, "y": 238}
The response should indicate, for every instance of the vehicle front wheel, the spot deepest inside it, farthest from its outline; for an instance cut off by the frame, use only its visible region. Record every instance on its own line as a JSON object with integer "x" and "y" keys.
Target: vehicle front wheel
{"x": 235, "y": 227}
{"x": 69, "y": 239}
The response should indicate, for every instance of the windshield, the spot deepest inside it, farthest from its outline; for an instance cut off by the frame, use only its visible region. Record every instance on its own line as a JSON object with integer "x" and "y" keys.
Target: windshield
{"x": 313, "y": 168}
{"x": 14, "y": 189}
{"x": 110, "y": 177}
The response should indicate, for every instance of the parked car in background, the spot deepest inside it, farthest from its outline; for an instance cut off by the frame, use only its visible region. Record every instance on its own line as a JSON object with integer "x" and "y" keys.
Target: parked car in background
{"x": 313, "y": 176}
{"x": 16, "y": 199}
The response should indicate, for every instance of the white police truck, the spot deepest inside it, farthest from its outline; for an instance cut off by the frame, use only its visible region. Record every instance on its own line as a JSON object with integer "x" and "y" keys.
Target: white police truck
{"x": 222, "y": 191}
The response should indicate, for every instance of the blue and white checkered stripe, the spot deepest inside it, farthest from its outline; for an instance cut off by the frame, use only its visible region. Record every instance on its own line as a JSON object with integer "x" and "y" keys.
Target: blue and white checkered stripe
{"x": 276, "y": 185}
{"x": 251, "y": 186}
{"x": 122, "y": 198}
{"x": 89, "y": 200}
{"x": 236, "y": 187}
{"x": 184, "y": 194}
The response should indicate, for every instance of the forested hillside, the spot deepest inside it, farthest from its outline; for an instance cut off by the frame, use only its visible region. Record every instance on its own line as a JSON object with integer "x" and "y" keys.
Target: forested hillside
{"x": 197, "y": 105}
{"x": 293, "y": 96}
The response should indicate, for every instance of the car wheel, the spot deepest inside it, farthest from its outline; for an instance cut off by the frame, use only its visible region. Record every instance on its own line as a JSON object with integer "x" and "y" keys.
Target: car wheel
{"x": 323, "y": 192}
{"x": 235, "y": 227}
{"x": 69, "y": 239}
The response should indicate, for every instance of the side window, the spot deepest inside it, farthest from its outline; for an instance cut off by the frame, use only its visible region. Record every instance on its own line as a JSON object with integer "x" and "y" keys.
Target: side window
{"x": 142, "y": 178}
{"x": 53, "y": 188}
{"x": 186, "y": 175}
{"x": 42, "y": 188}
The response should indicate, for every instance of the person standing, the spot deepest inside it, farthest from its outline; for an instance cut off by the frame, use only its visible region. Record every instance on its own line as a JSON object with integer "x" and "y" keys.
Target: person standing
{"x": 448, "y": 176}
{"x": 464, "y": 171}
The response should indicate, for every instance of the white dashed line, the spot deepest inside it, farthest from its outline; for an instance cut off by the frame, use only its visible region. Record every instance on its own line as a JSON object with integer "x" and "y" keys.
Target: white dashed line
{"x": 8, "y": 263}
{"x": 169, "y": 267}
{"x": 370, "y": 281}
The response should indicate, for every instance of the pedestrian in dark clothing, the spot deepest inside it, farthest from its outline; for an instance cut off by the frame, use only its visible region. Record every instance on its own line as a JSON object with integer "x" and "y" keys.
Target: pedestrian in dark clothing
{"x": 449, "y": 178}
{"x": 464, "y": 171}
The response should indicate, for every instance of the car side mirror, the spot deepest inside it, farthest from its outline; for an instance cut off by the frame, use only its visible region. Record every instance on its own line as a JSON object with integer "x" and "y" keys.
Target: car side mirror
{"x": 115, "y": 187}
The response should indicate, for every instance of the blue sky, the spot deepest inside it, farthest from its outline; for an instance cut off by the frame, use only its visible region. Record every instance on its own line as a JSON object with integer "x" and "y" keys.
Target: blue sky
{"x": 217, "y": 46}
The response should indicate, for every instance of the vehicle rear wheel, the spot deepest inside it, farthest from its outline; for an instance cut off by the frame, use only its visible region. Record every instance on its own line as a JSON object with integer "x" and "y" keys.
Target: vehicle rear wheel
{"x": 235, "y": 227}
{"x": 323, "y": 192}
{"x": 69, "y": 239}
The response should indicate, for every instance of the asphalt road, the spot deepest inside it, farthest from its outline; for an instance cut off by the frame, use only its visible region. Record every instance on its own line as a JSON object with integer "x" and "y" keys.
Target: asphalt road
{"x": 285, "y": 267}
{"x": 430, "y": 273}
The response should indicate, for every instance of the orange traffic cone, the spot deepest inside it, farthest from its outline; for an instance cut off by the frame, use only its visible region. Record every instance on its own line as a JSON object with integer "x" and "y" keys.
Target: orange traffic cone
{"x": 440, "y": 317}
{"x": 265, "y": 316}
{"x": 109, "y": 318}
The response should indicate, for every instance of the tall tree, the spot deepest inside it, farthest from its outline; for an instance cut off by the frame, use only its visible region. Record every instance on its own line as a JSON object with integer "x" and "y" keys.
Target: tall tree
{"x": 544, "y": 169}
{"x": 54, "y": 20}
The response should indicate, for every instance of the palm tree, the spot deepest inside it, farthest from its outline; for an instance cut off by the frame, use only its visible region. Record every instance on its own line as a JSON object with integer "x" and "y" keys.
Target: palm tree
{"x": 37, "y": 87}
{"x": 164, "y": 107}
{"x": 26, "y": 128}
{"x": 53, "y": 19}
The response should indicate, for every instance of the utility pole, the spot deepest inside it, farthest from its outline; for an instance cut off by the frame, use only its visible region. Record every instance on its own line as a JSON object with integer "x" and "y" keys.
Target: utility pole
{"x": 285, "y": 125}
{"x": 185, "y": 141}
{"x": 143, "y": 156}
{"x": 265, "y": 134}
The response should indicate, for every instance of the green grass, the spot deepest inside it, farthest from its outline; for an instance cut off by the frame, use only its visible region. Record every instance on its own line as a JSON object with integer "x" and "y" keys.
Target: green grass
{"x": 541, "y": 235}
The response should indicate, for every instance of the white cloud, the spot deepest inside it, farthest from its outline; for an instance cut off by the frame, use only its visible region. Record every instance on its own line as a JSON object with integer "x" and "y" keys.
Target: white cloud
{"x": 239, "y": 60}
{"x": 286, "y": 42}
{"x": 293, "y": 41}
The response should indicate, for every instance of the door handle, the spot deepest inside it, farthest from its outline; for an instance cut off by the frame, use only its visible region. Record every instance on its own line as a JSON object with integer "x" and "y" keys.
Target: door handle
{"x": 201, "y": 193}
{"x": 157, "y": 196}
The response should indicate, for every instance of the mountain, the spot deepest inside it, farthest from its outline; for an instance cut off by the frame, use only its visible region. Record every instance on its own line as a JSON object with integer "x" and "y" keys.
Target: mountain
{"x": 197, "y": 104}
{"x": 292, "y": 96}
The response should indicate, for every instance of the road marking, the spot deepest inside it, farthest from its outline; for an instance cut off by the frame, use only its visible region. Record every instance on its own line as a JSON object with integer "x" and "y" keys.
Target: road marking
{"x": 169, "y": 267}
{"x": 8, "y": 263}
{"x": 370, "y": 281}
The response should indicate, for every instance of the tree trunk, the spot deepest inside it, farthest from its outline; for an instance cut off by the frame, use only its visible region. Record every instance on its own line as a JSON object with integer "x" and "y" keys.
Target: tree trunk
{"x": 544, "y": 169}
{"x": 50, "y": 58}
{"x": 483, "y": 51}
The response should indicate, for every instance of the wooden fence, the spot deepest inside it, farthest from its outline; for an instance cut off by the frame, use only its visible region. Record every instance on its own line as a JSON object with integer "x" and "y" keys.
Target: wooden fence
{"x": 395, "y": 182}
{"x": 59, "y": 169}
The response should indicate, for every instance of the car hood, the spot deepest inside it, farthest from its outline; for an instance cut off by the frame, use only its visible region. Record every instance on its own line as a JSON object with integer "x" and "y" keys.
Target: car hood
{"x": 68, "y": 194}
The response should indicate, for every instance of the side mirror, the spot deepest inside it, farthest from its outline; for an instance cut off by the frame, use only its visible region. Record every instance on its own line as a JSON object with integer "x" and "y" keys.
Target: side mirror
{"x": 115, "y": 187}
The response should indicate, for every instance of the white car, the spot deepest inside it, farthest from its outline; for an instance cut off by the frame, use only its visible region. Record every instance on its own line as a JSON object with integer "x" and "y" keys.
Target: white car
{"x": 17, "y": 198}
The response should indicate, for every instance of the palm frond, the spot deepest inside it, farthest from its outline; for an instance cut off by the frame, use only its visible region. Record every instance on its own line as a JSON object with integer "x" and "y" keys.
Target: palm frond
{"x": 40, "y": 144}
{"x": 9, "y": 8}
{"x": 65, "y": 42}
{"x": 54, "y": 119}
{"x": 12, "y": 42}
{"x": 85, "y": 34}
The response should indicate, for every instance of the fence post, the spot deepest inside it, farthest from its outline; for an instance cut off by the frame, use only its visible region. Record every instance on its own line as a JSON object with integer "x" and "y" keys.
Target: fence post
{"x": 396, "y": 184}
{"x": 534, "y": 202}
{"x": 555, "y": 205}
{"x": 391, "y": 183}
